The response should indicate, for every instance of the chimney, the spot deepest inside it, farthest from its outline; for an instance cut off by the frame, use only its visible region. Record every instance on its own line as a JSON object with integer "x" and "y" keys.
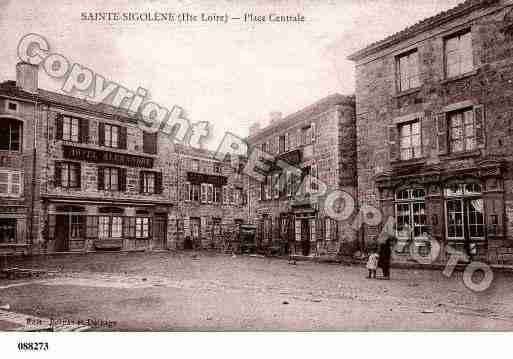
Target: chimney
{"x": 254, "y": 128}
{"x": 274, "y": 116}
{"x": 26, "y": 77}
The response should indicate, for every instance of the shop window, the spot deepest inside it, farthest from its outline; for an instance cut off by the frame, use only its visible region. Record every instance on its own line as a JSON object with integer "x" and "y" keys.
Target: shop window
{"x": 10, "y": 135}
{"x": 408, "y": 70}
{"x": 410, "y": 140}
{"x": 110, "y": 227}
{"x": 411, "y": 219}
{"x": 7, "y": 230}
{"x": 464, "y": 211}
{"x": 11, "y": 183}
{"x": 458, "y": 54}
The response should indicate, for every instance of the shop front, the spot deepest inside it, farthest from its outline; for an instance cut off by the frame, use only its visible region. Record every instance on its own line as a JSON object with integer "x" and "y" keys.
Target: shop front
{"x": 462, "y": 211}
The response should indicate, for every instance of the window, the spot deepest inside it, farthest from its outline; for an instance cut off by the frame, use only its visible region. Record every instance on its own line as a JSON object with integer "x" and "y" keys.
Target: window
{"x": 11, "y": 183}
{"x": 110, "y": 227}
{"x": 70, "y": 128}
{"x": 195, "y": 165}
{"x": 408, "y": 71}
{"x": 210, "y": 192}
{"x": 148, "y": 182}
{"x": 264, "y": 147}
{"x": 409, "y": 134}
{"x": 150, "y": 142}
{"x": 69, "y": 174}
{"x": 195, "y": 192}
{"x": 10, "y": 135}
{"x": 142, "y": 227}
{"x": 187, "y": 191}
{"x": 110, "y": 178}
{"x": 458, "y": 54}
{"x": 411, "y": 218}
{"x": 217, "y": 194}
{"x": 12, "y": 106}
{"x": 283, "y": 146}
{"x": 7, "y": 230}
{"x": 111, "y": 138}
{"x": 268, "y": 229}
{"x": 462, "y": 131}
{"x": 465, "y": 211}
{"x": 217, "y": 168}
{"x": 306, "y": 135}
{"x": 76, "y": 226}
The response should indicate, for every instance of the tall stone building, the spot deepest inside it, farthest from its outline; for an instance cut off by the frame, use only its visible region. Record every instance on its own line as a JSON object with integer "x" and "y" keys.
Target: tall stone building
{"x": 434, "y": 117}
{"x": 81, "y": 177}
{"x": 212, "y": 199}
{"x": 319, "y": 144}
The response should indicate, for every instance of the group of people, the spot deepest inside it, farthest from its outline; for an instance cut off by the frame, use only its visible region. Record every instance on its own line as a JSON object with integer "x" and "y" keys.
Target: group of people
{"x": 380, "y": 258}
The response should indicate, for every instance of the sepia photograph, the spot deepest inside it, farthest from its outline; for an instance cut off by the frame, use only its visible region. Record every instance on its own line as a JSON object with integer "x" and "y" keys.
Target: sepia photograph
{"x": 291, "y": 167}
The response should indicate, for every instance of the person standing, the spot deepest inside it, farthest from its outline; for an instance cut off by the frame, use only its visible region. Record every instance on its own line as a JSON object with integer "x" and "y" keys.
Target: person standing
{"x": 385, "y": 253}
{"x": 372, "y": 264}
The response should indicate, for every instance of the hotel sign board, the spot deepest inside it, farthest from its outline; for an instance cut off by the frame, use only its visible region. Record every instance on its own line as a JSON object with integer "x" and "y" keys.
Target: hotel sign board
{"x": 98, "y": 156}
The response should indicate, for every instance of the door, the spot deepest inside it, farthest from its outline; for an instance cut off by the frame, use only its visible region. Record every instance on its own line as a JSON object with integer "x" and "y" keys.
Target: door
{"x": 160, "y": 231}
{"x": 61, "y": 233}
{"x": 305, "y": 236}
{"x": 195, "y": 230}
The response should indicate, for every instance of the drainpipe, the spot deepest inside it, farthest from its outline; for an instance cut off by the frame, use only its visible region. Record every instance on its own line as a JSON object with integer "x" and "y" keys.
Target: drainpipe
{"x": 33, "y": 180}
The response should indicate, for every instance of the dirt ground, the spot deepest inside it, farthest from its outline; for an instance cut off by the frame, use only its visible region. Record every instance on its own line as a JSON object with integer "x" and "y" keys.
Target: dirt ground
{"x": 187, "y": 291}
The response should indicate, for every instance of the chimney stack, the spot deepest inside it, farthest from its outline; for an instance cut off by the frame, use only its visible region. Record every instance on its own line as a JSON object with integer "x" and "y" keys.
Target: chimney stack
{"x": 274, "y": 116}
{"x": 26, "y": 77}
{"x": 254, "y": 128}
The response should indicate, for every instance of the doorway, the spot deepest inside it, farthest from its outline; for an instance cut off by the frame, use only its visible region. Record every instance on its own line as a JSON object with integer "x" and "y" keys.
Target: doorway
{"x": 160, "y": 231}
{"x": 305, "y": 236}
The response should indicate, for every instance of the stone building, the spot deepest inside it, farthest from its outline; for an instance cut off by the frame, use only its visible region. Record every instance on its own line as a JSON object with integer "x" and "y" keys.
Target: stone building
{"x": 442, "y": 92}
{"x": 319, "y": 143}
{"x": 212, "y": 199}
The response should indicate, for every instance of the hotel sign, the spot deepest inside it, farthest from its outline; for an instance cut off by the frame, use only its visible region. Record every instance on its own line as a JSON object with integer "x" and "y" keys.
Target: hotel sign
{"x": 98, "y": 156}
{"x": 198, "y": 178}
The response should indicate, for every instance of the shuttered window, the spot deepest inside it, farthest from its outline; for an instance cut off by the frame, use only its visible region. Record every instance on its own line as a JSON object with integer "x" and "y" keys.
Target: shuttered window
{"x": 150, "y": 142}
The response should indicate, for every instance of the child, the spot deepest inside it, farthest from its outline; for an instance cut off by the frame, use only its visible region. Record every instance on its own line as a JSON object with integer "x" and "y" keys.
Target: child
{"x": 372, "y": 264}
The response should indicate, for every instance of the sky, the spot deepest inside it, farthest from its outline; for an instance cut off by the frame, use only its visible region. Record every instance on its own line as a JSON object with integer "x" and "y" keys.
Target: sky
{"x": 229, "y": 74}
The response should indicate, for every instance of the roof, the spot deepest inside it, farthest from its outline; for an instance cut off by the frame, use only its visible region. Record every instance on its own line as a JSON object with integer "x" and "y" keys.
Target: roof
{"x": 194, "y": 151}
{"x": 459, "y": 10}
{"x": 9, "y": 88}
{"x": 306, "y": 113}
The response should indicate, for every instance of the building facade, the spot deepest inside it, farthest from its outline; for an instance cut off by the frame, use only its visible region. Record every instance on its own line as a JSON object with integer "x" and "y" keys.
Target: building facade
{"x": 319, "y": 145}
{"x": 212, "y": 201}
{"x": 102, "y": 180}
{"x": 442, "y": 92}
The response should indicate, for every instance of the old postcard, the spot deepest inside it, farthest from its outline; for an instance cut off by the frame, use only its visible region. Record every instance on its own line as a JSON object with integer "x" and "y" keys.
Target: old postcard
{"x": 214, "y": 166}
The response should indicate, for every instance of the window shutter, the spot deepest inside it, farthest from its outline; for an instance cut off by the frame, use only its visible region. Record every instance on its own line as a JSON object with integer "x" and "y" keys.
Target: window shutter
{"x": 150, "y": 142}
{"x": 84, "y": 130}
{"x": 58, "y": 171}
{"x": 78, "y": 169}
{"x": 393, "y": 143}
{"x": 441, "y": 125}
{"x": 122, "y": 179}
{"x": 141, "y": 182}
{"x": 101, "y": 134}
{"x": 313, "y": 132}
{"x": 203, "y": 193}
{"x": 479, "y": 120}
{"x": 101, "y": 178}
{"x": 158, "y": 183}
{"x": 58, "y": 127}
{"x": 122, "y": 138}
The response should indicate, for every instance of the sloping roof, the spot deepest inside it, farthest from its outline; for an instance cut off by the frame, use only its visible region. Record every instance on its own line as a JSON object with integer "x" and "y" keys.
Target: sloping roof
{"x": 459, "y": 10}
{"x": 306, "y": 113}
{"x": 57, "y": 99}
{"x": 194, "y": 151}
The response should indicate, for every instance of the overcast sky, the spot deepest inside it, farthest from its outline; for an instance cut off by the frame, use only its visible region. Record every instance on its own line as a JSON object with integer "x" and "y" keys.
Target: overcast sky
{"x": 229, "y": 74}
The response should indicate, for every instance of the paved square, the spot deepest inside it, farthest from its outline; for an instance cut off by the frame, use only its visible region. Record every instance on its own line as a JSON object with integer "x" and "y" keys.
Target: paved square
{"x": 182, "y": 291}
